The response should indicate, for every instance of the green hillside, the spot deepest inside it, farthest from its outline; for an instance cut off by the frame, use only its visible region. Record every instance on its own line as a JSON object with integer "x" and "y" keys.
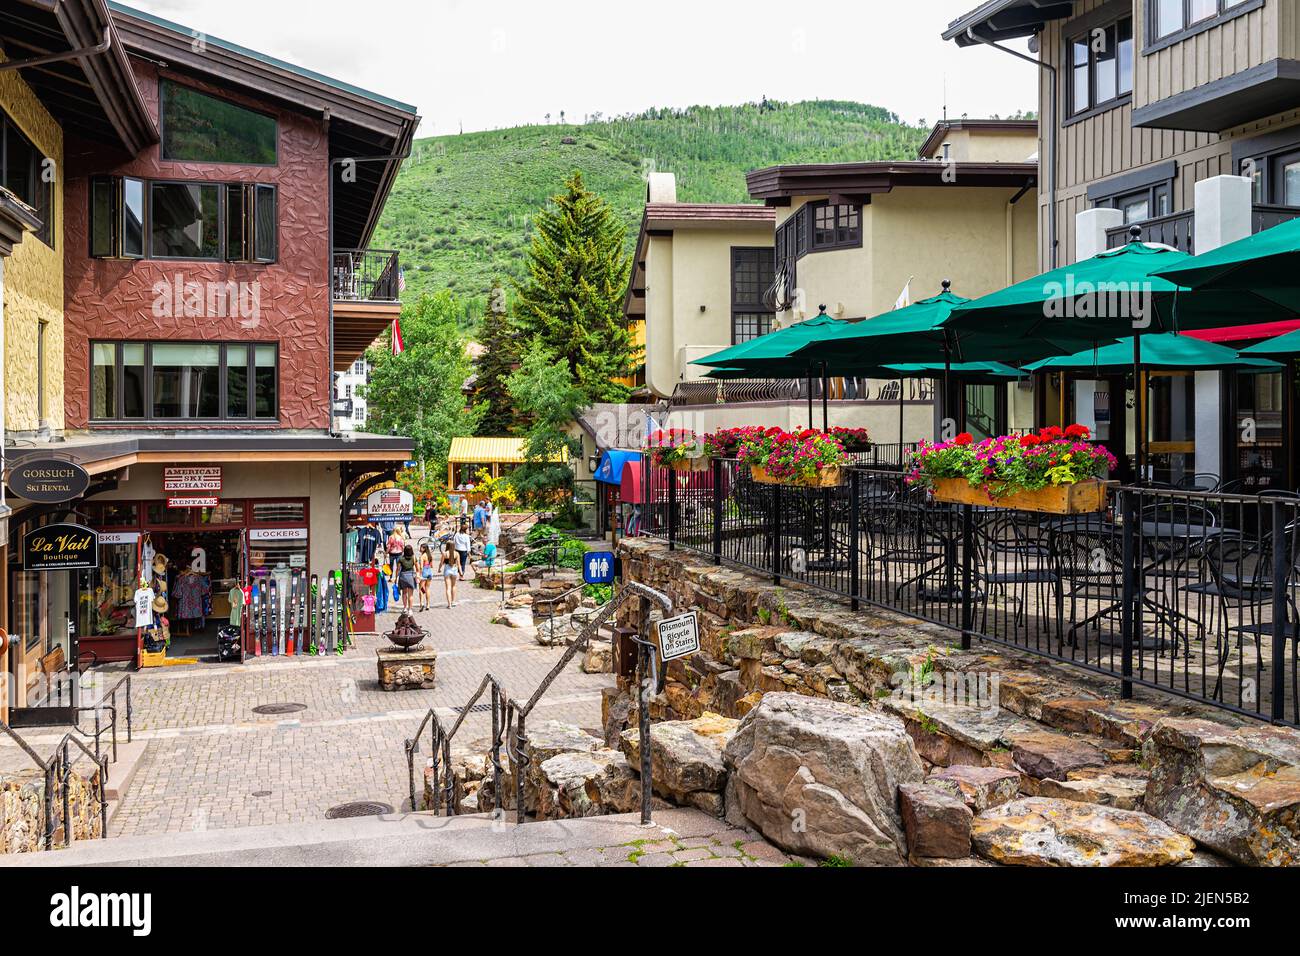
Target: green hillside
{"x": 460, "y": 212}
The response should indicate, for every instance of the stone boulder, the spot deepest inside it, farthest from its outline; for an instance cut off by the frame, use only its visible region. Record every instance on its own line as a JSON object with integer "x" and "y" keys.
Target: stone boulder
{"x": 587, "y": 785}
{"x": 546, "y": 740}
{"x": 978, "y": 787}
{"x": 1235, "y": 791}
{"x": 937, "y": 823}
{"x": 821, "y": 778}
{"x": 599, "y": 658}
{"x": 1038, "y": 831}
{"x": 686, "y": 763}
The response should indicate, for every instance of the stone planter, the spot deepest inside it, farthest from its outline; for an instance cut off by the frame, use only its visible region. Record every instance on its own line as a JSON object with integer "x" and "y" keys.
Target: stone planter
{"x": 406, "y": 670}
{"x": 1083, "y": 497}
{"x": 829, "y": 478}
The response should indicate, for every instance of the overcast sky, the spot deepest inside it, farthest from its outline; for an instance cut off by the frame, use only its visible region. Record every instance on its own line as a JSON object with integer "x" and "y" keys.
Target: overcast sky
{"x": 483, "y": 64}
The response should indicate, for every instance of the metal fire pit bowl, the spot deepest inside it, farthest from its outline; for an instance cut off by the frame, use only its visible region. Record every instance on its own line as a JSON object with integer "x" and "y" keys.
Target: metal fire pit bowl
{"x": 406, "y": 634}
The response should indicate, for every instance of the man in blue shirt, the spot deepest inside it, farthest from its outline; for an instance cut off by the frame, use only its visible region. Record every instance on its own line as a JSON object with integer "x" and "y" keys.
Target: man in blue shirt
{"x": 479, "y": 515}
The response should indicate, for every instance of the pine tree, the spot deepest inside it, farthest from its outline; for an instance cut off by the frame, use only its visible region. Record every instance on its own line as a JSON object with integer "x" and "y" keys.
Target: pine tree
{"x": 500, "y": 338}
{"x": 571, "y": 303}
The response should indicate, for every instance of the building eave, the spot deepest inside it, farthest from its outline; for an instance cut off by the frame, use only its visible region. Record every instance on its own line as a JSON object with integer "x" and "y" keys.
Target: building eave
{"x": 779, "y": 183}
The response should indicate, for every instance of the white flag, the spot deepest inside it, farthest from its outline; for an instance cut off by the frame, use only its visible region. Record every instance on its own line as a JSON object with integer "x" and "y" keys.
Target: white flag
{"x": 905, "y": 297}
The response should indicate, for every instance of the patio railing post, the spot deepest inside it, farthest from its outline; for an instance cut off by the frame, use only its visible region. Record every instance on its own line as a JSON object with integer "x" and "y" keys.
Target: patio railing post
{"x": 1129, "y": 591}
{"x": 855, "y": 532}
{"x": 776, "y": 534}
{"x": 1280, "y": 565}
{"x": 672, "y": 509}
{"x": 717, "y": 510}
{"x": 967, "y": 574}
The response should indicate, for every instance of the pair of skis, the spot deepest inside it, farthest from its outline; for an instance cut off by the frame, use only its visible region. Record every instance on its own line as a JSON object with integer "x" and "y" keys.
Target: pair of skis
{"x": 301, "y": 618}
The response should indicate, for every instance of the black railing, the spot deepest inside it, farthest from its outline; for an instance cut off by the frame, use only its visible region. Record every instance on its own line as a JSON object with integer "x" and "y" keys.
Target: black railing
{"x": 365, "y": 275}
{"x": 1176, "y": 229}
{"x": 739, "y": 390}
{"x": 1184, "y": 592}
{"x": 1179, "y": 229}
{"x": 56, "y": 807}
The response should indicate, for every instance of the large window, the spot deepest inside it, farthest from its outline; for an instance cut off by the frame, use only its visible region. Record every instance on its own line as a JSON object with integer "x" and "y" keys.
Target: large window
{"x": 199, "y": 128}
{"x": 26, "y": 173}
{"x": 1171, "y": 17}
{"x": 1101, "y": 67}
{"x": 752, "y": 274}
{"x": 132, "y": 218}
{"x": 170, "y": 381}
{"x": 836, "y": 227}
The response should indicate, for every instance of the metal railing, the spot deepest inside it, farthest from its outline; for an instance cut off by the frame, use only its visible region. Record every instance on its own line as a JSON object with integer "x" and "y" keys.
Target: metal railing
{"x": 365, "y": 275}
{"x": 740, "y": 390}
{"x": 509, "y": 723}
{"x": 1179, "y": 229}
{"x": 60, "y": 688}
{"x": 57, "y": 774}
{"x": 1189, "y": 593}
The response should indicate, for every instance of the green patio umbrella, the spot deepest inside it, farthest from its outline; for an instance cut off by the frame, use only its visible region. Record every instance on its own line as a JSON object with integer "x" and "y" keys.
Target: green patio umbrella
{"x": 776, "y": 347}
{"x": 1264, "y": 265}
{"x": 1116, "y": 294}
{"x": 1168, "y": 350}
{"x": 1288, "y": 344}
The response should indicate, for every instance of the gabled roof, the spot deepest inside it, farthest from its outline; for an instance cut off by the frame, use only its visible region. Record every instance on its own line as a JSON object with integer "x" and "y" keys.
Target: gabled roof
{"x": 665, "y": 217}
{"x": 1006, "y": 20}
{"x": 361, "y": 123}
{"x": 95, "y": 92}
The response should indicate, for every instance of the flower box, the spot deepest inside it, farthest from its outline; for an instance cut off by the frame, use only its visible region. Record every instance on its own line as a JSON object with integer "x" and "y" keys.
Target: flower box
{"x": 690, "y": 464}
{"x": 826, "y": 478}
{"x": 1083, "y": 497}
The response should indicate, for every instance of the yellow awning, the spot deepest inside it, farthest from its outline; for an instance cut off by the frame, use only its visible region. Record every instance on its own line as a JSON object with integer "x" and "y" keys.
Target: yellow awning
{"x": 490, "y": 451}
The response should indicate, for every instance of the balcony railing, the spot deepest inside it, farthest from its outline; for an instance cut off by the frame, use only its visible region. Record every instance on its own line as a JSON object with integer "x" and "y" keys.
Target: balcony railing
{"x": 1179, "y": 229}
{"x": 738, "y": 391}
{"x": 366, "y": 275}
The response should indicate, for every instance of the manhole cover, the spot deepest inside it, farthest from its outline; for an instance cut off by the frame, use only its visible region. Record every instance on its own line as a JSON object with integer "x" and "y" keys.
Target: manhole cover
{"x": 366, "y": 808}
{"x": 476, "y": 709}
{"x": 261, "y": 793}
{"x": 279, "y": 708}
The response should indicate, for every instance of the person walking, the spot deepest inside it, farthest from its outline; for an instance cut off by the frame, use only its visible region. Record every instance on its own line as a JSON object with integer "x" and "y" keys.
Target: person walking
{"x": 463, "y": 543}
{"x": 405, "y": 571}
{"x": 426, "y": 577}
{"x": 395, "y": 545}
{"x": 449, "y": 564}
{"x": 479, "y": 521}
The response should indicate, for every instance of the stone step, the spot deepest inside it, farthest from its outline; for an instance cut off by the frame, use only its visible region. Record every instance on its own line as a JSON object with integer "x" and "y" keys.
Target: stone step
{"x": 403, "y": 839}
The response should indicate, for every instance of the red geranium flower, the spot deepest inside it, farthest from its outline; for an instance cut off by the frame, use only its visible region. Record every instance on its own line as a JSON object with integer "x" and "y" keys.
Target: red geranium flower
{"x": 965, "y": 438}
{"x": 1078, "y": 431}
{"x": 1030, "y": 441}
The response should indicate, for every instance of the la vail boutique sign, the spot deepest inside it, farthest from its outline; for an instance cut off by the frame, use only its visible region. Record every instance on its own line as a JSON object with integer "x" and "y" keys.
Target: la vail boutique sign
{"x": 60, "y": 547}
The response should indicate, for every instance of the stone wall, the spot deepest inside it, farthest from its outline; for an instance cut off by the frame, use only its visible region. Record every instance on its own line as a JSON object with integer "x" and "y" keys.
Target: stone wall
{"x": 22, "y": 799}
{"x": 1021, "y": 761}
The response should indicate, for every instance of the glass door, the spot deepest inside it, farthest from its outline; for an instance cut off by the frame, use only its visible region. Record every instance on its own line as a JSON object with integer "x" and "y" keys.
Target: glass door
{"x": 1171, "y": 426}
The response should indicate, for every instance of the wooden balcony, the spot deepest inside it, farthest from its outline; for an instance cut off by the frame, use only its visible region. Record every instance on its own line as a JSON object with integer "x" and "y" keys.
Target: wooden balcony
{"x": 366, "y": 285}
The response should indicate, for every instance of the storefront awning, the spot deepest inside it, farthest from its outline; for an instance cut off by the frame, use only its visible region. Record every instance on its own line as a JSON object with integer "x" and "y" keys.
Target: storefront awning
{"x": 611, "y": 469}
{"x": 474, "y": 450}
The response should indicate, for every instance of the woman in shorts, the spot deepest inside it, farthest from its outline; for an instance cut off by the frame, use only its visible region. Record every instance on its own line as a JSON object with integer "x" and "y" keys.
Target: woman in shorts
{"x": 426, "y": 576}
{"x": 449, "y": 562}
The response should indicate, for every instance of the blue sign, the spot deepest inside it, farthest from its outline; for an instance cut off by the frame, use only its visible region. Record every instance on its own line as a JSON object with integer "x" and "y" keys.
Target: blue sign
{"x": 598, "y": 567}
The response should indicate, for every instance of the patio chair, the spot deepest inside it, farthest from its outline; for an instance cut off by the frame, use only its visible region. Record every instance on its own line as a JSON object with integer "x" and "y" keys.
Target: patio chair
{"x": 1015, "y": 560}
{"x": 903, "y": 546}
{"x": 1089, "y": 563}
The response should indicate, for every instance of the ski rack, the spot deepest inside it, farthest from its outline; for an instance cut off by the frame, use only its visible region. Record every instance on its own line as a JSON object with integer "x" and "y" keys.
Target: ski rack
{"x": 509, "y": 720}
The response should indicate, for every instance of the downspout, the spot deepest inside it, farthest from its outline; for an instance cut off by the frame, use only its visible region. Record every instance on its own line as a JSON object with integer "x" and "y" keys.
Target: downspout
{"x": 1052, "y": 137}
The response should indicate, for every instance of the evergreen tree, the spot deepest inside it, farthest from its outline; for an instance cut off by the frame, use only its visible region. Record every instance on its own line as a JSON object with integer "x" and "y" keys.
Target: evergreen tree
{"x": 571, "y": 303}
{"x": 544, "y": 390}
{"x": 419, "y": 393}
{"x": 500, "y": 337}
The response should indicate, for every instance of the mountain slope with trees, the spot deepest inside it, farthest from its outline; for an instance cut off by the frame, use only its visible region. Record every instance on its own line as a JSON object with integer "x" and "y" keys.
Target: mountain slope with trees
{"x": 463, "y": 209}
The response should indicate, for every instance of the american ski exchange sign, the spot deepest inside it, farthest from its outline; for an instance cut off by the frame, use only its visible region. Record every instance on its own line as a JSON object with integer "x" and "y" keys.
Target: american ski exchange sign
{"x": 182, "y": 481}
{"x": 390, "y": 503}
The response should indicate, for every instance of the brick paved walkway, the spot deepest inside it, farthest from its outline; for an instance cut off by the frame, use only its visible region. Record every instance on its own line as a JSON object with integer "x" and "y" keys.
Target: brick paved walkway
{"x": 212, "y": 763}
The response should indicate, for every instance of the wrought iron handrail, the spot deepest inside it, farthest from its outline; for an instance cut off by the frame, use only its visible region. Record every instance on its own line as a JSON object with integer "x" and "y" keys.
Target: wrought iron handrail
{"x": 365, "y": 275}
{"x": 58, "y": 770}
{"x": 509, "y": 721}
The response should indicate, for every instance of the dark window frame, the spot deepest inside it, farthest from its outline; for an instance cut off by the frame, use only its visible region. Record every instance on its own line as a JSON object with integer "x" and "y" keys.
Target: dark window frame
{"x": 162, "y": 130}
{"x": 1227, "y": 12}
{"x": 1268, "y": 153}
{"x": 148, "y": 399}
{"x": 855, "y": 237}
{"x": 1151, "y": 183}
{"x": 1095, "y": 106}
{"x": 250, "y": 247}
{"x": 747, "y": 306}
{"x": 46, "y": 194}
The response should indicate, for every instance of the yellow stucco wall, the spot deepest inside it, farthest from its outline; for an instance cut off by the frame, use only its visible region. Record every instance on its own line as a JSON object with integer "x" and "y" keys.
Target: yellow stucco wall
{"x": 969, "y": 235}
{"x": 688, "y": 298}
{"x": 987, "y": 146}
{"x": 33, "y": 281}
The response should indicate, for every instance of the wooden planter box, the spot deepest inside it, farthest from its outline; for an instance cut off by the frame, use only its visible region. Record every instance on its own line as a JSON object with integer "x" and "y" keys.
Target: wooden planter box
{"x": 691, "y": 464}
{"x": 829, "y": 478}
{"x": 1085, "y": 497}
